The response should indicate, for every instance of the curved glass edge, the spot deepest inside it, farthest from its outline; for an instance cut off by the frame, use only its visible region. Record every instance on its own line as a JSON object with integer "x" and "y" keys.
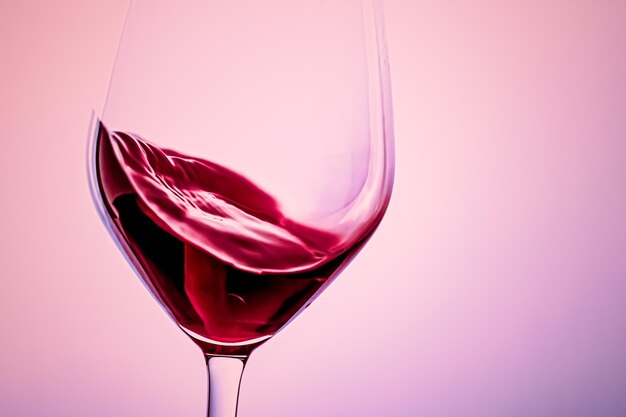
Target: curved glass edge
{"x": 94, "y": 190}
{"x": 381, "y": 106}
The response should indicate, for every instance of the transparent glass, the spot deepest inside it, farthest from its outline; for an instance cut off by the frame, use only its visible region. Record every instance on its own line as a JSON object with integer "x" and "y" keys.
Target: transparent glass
{"x": 243, "y": 158}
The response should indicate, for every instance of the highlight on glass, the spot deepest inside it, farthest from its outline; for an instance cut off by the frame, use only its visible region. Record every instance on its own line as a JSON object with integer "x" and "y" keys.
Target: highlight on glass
{"x": 243, "y": 158}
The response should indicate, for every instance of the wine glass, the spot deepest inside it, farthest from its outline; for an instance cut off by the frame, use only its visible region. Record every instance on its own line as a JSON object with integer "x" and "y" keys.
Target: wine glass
{"x": 243, "y": 158}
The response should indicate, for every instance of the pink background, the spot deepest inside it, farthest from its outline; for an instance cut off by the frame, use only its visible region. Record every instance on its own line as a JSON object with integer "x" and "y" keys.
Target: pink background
{"x": 494, "y": 287}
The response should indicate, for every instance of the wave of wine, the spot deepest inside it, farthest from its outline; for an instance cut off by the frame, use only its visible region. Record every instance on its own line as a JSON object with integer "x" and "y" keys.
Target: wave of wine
{"x": 214, "y": 248}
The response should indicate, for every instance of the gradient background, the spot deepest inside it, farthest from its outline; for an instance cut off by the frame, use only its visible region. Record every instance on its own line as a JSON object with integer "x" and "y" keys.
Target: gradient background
{"x": 496, "y": 285}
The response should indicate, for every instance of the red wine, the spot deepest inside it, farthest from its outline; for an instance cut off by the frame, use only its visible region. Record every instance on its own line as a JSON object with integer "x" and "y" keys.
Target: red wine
{"x": 214, "y": 248}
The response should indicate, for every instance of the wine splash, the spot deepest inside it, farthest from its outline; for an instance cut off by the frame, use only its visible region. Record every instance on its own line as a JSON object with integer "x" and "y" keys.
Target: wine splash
{"x": 214, "y": 248}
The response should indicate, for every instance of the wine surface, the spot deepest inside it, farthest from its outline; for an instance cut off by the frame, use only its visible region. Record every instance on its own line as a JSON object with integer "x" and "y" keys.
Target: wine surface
{"x": 214, "y": 248}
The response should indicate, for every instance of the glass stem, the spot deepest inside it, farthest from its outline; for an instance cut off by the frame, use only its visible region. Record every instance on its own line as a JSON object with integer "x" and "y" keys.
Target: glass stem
{"x": 224, "y": 374}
